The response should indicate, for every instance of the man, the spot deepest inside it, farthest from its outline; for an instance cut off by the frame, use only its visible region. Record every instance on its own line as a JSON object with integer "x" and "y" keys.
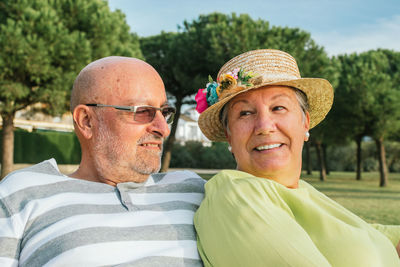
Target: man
{"x": 111, "y": 210}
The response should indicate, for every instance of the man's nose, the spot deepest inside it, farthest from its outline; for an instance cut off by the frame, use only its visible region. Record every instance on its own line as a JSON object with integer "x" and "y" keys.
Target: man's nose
{"x": 159, "y": 125}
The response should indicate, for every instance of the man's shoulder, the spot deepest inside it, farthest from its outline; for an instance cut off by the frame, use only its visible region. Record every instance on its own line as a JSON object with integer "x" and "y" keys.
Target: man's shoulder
{"x": 46, "y": 167}
{"x": 42, "y": 173}
{"x": 176, "y": 177}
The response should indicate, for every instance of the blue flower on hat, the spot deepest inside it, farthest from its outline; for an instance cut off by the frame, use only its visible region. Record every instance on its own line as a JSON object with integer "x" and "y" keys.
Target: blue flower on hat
{"x": 212, "y": 96}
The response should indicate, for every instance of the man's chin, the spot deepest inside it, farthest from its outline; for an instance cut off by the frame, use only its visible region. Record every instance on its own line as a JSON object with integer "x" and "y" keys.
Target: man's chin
{"x": 149, "y": 168}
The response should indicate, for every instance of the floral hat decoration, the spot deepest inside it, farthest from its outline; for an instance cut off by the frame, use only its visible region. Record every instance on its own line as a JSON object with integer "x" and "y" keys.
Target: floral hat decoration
{"x": 226, "y": 83}
{"x": 252, "y": 70}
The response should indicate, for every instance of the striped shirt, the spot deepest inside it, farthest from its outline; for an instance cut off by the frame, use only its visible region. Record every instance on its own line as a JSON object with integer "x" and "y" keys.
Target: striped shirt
{"x": 48, "y": 219}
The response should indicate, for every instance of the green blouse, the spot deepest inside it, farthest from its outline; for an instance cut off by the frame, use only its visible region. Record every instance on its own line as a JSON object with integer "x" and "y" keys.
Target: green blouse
{"x": 249, "y": 221}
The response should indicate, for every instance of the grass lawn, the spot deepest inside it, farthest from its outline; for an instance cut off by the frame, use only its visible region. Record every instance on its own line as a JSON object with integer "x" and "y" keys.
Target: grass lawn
{"x": 365, "y": 198}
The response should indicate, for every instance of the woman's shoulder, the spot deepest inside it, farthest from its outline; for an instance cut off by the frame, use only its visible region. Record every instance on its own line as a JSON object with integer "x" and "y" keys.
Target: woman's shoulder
{"x": 237, "y": 186}
{"x": 239, "y": 178}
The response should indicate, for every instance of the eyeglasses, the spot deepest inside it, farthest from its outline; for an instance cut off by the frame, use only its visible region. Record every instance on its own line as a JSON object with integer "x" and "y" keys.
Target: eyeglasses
{"x": 143, "y": 114}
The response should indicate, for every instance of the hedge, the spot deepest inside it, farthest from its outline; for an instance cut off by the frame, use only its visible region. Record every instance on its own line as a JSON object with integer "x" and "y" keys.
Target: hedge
{"x": 34, "y": 147}
{"x": 195, "y": 155}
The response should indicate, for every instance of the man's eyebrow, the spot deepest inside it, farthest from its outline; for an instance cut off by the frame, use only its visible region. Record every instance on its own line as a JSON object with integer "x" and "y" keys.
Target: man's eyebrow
{"x": 143, "y": 103}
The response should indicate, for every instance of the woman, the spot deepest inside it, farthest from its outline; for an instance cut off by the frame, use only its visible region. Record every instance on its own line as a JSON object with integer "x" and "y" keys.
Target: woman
{"x": 262, "y": 214}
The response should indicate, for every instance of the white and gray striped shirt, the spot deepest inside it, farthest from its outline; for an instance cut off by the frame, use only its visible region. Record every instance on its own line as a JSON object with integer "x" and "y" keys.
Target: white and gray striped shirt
{"x": 48, "y": 219}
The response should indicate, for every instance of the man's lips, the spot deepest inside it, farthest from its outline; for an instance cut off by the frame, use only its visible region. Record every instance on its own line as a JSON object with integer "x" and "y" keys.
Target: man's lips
{"x": 151, "y": 145}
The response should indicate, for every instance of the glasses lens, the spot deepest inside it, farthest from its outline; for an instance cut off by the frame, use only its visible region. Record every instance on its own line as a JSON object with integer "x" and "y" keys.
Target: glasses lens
{"x": 168, "y": 113}
{"x": 144, "y": 114}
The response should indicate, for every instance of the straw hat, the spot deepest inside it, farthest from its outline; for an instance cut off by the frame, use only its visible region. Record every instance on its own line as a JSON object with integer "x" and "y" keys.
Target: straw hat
{"x": 260, "y": 68}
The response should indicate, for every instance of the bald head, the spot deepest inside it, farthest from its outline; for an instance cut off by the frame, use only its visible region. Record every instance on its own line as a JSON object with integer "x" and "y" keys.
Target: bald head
{"x": 108, "y": 77}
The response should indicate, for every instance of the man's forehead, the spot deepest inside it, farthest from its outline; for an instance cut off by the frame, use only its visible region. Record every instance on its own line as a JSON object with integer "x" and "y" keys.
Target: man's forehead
{"x": 144, "y": 102}
{"x": 137, "y": 85}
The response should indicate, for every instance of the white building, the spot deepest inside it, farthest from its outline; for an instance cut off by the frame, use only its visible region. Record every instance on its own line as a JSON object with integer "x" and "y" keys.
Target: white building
{"x": 188, "y": 129}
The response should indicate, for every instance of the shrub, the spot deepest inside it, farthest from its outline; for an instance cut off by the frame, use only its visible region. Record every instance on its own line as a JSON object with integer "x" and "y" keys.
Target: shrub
{"x": 34, "y": 147}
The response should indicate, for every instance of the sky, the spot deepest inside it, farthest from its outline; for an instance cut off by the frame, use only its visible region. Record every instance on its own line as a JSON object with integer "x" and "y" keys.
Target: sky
{"x": 341, "y": 26}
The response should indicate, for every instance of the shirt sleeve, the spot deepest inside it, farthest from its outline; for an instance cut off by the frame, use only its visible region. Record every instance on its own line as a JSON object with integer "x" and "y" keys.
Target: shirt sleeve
{"x": 239, "y": 225}
{"x": 390, "y": 231}
{"x": 9, "y": 240}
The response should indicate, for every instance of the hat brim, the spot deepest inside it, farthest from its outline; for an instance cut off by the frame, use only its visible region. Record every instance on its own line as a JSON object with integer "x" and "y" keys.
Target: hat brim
{"x": 319, "y": 94}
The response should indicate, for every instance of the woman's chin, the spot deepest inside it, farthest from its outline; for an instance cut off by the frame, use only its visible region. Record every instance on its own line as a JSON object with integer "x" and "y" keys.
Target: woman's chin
{"x": 270, "y": 167}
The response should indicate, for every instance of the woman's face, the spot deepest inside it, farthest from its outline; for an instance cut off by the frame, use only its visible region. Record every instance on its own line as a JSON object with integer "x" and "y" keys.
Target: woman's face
{"x": 267, "y": 130}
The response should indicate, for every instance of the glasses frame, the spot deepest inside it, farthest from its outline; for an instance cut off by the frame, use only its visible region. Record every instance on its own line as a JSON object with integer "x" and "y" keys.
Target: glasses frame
{"x": 135, "y": 108}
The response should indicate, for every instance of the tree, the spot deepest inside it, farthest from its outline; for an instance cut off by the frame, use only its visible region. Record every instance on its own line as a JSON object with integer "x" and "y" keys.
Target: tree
{"x": 369, "y": 100}
{"x": 350, "y": 103}
{"x": 202, "y": 46}
{"x": 43, "y": 45}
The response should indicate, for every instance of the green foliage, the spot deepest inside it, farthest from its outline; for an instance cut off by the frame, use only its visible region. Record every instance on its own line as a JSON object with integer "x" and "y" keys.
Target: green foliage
{"x": 34, "y": 147}
{"x": 367, "y": 100}
{"x": 215, "y": 38}
{"x": 194, "y": 155}
{"x": 43, "y": 45}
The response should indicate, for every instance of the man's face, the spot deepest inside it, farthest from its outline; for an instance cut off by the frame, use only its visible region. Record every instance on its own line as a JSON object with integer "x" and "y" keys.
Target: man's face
{"x": 124, "y": 148}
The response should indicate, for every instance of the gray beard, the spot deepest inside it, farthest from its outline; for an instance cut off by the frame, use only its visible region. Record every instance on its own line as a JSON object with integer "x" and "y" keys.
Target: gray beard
{"x": 112, "y": 155}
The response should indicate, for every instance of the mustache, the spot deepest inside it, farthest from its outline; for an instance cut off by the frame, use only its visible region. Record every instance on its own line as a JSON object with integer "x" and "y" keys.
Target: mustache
{"x": 150, "y": 138}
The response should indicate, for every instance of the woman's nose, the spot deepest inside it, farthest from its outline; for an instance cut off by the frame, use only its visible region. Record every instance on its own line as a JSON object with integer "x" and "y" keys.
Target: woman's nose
{"x": 265, "y": 124}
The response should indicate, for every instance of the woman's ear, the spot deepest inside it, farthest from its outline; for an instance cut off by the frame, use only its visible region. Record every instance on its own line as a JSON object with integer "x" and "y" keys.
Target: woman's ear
{"x": 83, "y": 119}
{"x": 227, "y": 136}
{"x": 307, "y": 126}
{"x": 229, "y": 143}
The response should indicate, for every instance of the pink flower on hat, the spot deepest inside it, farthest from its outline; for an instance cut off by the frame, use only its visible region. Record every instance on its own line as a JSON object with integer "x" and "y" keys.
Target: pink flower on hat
{"x": 234, "y": 73}
{"x": 201, "y": 99}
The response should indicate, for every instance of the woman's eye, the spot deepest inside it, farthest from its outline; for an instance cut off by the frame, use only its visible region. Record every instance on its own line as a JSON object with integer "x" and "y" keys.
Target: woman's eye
{"x": 278, "y": 108}
{"x": 244, "y": 113}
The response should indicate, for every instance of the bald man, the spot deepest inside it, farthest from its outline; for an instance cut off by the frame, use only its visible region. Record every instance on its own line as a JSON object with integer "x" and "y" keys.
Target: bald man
{"x": 113, "y": 210}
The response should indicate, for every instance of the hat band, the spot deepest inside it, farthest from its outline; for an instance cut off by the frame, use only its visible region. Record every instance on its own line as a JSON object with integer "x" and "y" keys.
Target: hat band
{"x": 274, "y": 77}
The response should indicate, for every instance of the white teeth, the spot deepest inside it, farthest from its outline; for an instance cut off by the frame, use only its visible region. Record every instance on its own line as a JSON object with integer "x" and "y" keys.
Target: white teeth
{"x": 259, "y": 148}
{"x": 152, "y": 145}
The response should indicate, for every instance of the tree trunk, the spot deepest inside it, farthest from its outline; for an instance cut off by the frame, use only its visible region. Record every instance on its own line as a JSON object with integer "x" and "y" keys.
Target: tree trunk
{"x": 166, "y": 159}
{"x": 324, "y": 155}
{"x": 382, "y": 162}
{"x": 308, "y": 158}
{"x": 7, "y": 152}
{"x": 320, "y": 156}
{"x": 359, "y": 158}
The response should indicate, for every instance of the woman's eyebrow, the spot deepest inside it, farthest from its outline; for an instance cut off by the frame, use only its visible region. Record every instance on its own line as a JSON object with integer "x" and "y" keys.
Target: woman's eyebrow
{"x": 279, "y": 96}
{"x": 239, "y": 101}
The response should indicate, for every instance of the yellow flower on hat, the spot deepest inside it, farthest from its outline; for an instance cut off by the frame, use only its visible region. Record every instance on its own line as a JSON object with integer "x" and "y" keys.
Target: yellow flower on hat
{"x": 218, "y": 90}
{"x": 226, "y": 82}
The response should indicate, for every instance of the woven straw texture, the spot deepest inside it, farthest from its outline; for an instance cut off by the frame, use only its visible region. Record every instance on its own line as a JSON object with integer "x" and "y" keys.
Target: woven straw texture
{"x": 272, "y": 67}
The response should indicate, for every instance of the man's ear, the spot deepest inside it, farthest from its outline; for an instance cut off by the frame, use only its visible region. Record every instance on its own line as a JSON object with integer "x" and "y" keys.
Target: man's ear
{"x": 83, "y": 119}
